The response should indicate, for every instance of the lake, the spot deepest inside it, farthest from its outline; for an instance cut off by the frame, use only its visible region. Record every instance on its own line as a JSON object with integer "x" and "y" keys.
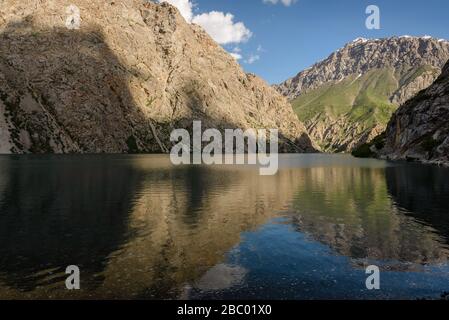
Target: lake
{"x": 139, "y": 228}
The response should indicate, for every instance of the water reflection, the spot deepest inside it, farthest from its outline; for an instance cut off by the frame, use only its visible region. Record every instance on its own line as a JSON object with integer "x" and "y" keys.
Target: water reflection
{"x": 56, "y": 213}
{"x": 422, "y": 192}
{"x": 350, "y": 209}
{"x": 141, "y": 228}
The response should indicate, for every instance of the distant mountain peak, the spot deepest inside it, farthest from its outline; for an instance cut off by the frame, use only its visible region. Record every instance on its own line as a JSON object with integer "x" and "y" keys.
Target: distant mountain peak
{"x": 376, "y": 53}
{"x": 348, "y": 98}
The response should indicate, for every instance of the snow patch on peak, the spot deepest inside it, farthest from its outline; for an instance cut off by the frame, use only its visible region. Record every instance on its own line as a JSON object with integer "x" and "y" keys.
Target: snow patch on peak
{"x": 360, "y": 39}
{"x": 424, "y": 37}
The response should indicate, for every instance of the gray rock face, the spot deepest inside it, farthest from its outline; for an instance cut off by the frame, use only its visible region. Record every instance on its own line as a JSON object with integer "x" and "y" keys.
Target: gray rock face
{"x": 419, "y": 130}
{"x": 132, "y": 73}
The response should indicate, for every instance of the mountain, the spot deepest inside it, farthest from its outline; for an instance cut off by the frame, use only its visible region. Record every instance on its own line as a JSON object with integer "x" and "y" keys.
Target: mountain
{"x": 419, "y": 129}
{"x": 348, "y": 98}
{"x": 131, "y": 73}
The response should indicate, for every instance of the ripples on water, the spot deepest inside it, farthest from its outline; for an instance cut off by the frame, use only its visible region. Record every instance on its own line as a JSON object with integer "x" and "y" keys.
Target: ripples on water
{"x": 140, "y": 228}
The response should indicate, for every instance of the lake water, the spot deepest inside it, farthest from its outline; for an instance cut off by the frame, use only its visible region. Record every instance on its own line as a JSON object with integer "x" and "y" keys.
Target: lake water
{"x": 140, "y": 228}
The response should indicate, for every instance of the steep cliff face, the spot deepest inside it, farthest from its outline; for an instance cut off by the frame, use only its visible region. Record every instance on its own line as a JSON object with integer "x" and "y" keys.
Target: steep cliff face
{"x": 131, "y": 73}
{"x": 419, "y": 130}
{"x": 348, "y": 98}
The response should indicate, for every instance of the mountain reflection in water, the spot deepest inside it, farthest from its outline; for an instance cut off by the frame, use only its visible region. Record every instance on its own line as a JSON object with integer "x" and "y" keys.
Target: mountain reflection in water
{"x": 139, "y": 227}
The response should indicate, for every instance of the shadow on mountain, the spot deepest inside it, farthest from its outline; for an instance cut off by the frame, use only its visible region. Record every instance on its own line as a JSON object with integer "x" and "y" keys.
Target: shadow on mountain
{"x": 65, "y": 91}
{"x": 88, "y": 107}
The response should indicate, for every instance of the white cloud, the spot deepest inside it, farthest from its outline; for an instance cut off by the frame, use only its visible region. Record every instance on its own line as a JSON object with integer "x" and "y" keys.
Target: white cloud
{"x": 236, "y": 56}
{"x": 222, "y": 28}
{"x": 286, "y": 3}
{"x": 185, "y": 7}
{"x": 252, "y": 58}
{"x": 219, "y": 25}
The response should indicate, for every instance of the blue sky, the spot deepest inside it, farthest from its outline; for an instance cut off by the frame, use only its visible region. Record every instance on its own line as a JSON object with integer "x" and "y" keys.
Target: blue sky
{"x": 287, "y": 39}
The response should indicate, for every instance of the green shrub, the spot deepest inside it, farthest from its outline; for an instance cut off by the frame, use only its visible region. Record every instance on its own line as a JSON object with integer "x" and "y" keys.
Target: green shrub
{"x": 429, "y": 143}
{"x": 132, "y": 145}
{"x": 363, "y": 151}
{"x": 379, "y": 141}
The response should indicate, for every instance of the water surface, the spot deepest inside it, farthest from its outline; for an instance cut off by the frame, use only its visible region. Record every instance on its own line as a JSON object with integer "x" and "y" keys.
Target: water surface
{"x": 139, "y": 227}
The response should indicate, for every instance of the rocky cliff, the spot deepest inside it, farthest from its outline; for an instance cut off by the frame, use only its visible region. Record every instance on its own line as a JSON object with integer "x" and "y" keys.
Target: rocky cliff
{"x": 348, "y": 98}
{"x": 131, "y": 73}
{"x": 419, "y": 130}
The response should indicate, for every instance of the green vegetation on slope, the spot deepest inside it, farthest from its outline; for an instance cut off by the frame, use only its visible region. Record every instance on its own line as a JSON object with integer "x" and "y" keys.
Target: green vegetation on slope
{"x": 362, "y": 101}
{"x": 362, "y": 98}
{"x": 365, "y": 150}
